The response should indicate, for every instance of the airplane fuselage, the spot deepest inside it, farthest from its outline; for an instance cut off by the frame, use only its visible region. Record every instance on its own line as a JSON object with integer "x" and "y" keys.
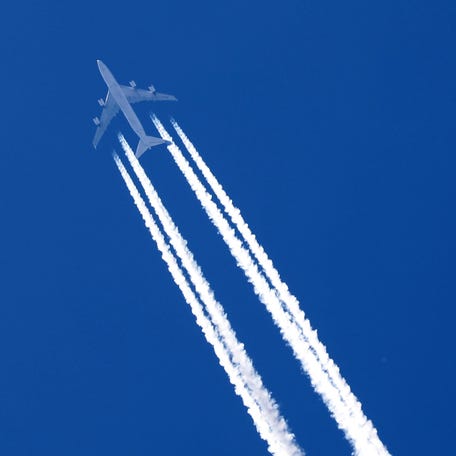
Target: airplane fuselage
{"x": 117, "y": 93}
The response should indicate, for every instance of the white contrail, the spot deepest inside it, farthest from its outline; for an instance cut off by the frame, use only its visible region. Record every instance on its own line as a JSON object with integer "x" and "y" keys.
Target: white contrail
{"x": 272, "y": 428}
{"x": 290, "y": 302}
{"x": 215, "y": 310}
{"x": 354, "y": 429}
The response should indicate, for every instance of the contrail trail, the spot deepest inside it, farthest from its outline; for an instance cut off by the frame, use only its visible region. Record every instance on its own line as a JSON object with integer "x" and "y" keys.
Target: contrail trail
{"x": 214, "y": 308}
{"x": 290, "y": 302}
{"x": 355, "y": 430}
{"x": 248, "y": 385}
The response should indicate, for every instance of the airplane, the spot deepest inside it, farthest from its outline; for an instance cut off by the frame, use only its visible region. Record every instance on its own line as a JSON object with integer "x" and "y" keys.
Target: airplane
{"x": 120, "y": 97}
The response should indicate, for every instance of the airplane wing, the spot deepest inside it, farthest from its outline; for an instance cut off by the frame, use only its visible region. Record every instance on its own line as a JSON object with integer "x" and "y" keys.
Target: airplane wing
{"x": 136, "y": 95}
{"x": 110, "y": 109}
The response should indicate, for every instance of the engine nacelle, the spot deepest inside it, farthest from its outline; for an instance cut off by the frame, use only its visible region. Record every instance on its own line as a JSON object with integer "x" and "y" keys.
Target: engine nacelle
{"x": 133, "y": 84}
{"x": 96, "y": 121}
{"x": 101, "y": 102}
{"x": 151, "y": 88}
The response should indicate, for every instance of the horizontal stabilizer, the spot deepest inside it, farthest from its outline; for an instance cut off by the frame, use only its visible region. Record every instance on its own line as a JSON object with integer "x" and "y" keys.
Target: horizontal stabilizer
{"x": 147, "y": 142}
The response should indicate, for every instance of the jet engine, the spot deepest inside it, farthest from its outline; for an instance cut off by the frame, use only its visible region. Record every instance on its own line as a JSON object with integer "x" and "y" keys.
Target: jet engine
{"x": 133, "y": 84}
{"x": 101, "y": 102}
{"x": 151, "y": 88}
{"x": 96, "y": 121}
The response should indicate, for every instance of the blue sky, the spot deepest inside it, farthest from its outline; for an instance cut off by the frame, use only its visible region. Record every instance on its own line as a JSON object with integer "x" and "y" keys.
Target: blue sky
{"x": 330, "y": 125}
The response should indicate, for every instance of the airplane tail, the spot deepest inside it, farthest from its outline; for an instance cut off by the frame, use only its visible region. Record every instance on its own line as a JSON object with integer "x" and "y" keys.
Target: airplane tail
{"x": 146, "y": 143}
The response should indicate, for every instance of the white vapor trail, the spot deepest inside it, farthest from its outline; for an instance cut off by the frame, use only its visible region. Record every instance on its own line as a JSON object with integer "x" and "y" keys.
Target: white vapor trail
{"x": 214, "y": 309}
{"x": 289, "y": 301}
{"x": 217, "y": 330}
{"x": 354, "y": 428}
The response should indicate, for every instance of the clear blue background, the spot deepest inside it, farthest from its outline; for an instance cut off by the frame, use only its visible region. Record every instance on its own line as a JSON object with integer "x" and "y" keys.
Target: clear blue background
{"x": 331, "y": 124}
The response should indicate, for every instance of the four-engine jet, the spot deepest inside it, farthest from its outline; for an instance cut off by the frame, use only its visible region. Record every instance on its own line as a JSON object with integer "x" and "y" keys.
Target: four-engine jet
{"x": 121, "y": 97}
